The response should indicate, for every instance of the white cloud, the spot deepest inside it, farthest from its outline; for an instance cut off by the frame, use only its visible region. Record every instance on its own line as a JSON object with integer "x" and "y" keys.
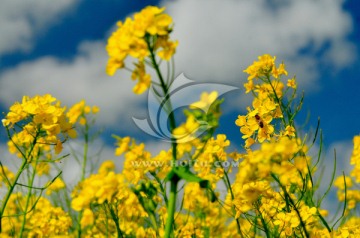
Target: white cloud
{"x": 21, "y": 20}
{"x": 218, "y": 39}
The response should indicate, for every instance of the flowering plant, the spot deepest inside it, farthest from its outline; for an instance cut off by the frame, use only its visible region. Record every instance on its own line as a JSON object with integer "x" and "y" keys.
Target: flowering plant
{"x": 271, "y": 184}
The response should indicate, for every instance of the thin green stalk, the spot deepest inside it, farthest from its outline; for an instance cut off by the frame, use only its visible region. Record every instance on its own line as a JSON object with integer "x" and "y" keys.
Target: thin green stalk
{"x": 116, "y": 220}
{"x": 161, "y": 187}
{"x": 172, "y": 198}
{"x": 345, "y": 203}
{"x": 299, "y": 216}
{"x": 31, "y": 182}
{"x": 171, "y": 208}
{"x": 11, "y": 189}
{"x": 155, "y": 223}
{"x": 277, "y": 100}
{"x": 263, "y": 222}
{"x": 4, "y": 175}
{"x": 228, "y": 184}
{"x": 17, "y": 176}
{"x": 86, "y": 148}
{"x": 292, "y": 203}
{"x": 174, "y": 181}
{"x": 83, "y": 170}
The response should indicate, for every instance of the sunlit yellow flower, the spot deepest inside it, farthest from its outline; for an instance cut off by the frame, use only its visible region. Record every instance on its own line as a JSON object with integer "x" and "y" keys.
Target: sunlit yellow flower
{"x": 144, "y": 79}
{"x": 187, "y": 131}
{"x": 291, "y": 83}
{"x": 206, "y": 99}
{"x": 87, "y": 218}
{"x": 146, "y": 35}
{"x": 167, "y": 48}
{"x": 43, "y": 123}
{"x": 122, "y": 145}
{"x": 289, "y": 131}
{"x": 55, "y": 186}
{"x": 95, "y": 109}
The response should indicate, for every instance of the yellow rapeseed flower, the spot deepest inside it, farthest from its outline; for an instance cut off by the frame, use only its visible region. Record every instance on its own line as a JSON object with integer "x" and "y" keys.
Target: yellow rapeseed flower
{"x": 146, "y": 34}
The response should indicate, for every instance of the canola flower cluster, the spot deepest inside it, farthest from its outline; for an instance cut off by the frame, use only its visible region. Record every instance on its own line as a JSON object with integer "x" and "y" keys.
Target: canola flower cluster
{"x": 45, "y": 220}
{"x": 107, "y": 191}
{"x": 256, "y": 125}
{"x": 145, "y": 35}
{"x": 37, "y": 128}
{"x": 40, "y": 119}
{"x": 272, "y": 192}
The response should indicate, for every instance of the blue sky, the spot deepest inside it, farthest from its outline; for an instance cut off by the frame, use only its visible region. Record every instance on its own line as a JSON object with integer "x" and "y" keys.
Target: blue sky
{"x": 59, "y": 48}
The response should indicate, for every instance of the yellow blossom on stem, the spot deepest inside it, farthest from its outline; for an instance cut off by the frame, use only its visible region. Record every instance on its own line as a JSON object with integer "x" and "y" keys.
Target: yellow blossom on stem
{"x": 289, "y": 131}
{"x": 262, "y": 67}
{"x": 41, "y": 119}
{"x": 206, "y": 99}
{"x": 144, "y": 79}
{"x": 122, "y": 145}
{"x": 291, "y": 83}
{"x": 55, "y": 186}
{"x": 87, "y": 218}
{"x": 187, "y": 131}
{"x": 146, "y": 35}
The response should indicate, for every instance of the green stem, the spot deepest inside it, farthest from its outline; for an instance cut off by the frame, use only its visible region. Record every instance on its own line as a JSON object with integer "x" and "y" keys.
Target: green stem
{"x": 116, "y": 220}
{"x": 292, "y": 203}
{"x": 266, "y": 229}
{"x": 83, "y": 170}
{"x": 171, "y": 207}
{"x": 31, "y": 182}
{"x": 155, "y": 223}
{"x": 11, "y": 189}
{"x": 161, "y": 188}
{"x": 174, "y": 181}
{"x": 277, "y": 100}
{"x": 228, "y": 184}
{"x": 283, "y": 108}
{"x": 17, "y": 176}
{"x": 86, "y": 148}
